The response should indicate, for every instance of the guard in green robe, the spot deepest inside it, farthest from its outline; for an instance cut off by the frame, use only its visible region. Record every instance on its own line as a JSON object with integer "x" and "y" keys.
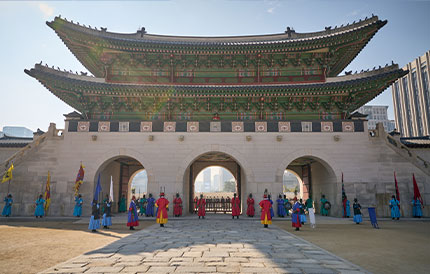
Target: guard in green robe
{"x": 324, "y": 211}
{"x": 142, "y": 205}
{"x": 122, "y": 204}
{"x": 105, "y": 201}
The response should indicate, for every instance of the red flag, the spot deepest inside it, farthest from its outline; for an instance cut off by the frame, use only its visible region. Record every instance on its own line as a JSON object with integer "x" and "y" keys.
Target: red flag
{"x": 417, "y": 194}
{"x": 397, "y": 188}
{"x": 79, "y": 179}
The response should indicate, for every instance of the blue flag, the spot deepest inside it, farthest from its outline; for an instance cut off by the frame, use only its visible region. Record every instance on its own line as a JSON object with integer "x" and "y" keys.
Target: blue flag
{"x": 98, "y": 189}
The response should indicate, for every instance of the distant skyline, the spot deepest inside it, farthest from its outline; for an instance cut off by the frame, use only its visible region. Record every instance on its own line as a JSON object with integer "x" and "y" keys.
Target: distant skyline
{"x": 28, "y": 40}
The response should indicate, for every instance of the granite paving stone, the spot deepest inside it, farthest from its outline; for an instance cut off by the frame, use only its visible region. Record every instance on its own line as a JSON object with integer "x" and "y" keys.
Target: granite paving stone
{"x": 208, "y": 246}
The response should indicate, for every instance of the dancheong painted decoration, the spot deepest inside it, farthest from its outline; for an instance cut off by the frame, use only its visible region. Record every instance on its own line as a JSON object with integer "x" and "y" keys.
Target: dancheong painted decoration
{"x": 287, "y": 76}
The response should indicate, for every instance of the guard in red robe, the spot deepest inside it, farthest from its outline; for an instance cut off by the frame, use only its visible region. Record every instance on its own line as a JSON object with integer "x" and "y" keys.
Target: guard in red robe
{"x": 162, "y": 204}
{"x": 266, "y": 218}
{"x": 177, "y": 208}
{"x": 235, "y": 207}
{"x": 201, "y": 205}
{"x": 250, "y": 211}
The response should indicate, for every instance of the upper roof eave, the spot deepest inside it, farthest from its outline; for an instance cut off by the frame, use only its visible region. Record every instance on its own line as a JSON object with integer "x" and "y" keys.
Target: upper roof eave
{"x": 144, "y": 37}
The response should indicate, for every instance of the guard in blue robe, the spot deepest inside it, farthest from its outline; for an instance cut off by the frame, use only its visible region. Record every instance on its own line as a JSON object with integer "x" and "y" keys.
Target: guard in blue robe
{"x": 302, "y": 212}
{"x": 77, "y": 211}
{"x": 395, "y": 208}
{"x": 295, "y": 216}
{"x": 40, "y": 207}
{"x": 272, "y": 212}
{"x": 281, "y": 207}
{"x": 150, "y": 206}
{"x": 417, "y": 208}
{"x": 107, "y": 215}
{"x": 357, "y": 212}
{"x": 95, "y": 217}
{"x": 287, "y": 205}
{"x": 7, "y": 209}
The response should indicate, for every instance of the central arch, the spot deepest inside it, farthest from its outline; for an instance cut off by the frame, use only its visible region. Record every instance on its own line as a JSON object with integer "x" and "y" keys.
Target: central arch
{"x": 210, "y": 159}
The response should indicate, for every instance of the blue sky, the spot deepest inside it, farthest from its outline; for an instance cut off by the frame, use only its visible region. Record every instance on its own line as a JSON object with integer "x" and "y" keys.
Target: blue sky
{"x": 27, "y": 40}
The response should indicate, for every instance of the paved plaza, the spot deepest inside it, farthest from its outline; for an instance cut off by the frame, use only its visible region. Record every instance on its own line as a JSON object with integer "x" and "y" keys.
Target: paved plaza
{"x": 205, "y": 246}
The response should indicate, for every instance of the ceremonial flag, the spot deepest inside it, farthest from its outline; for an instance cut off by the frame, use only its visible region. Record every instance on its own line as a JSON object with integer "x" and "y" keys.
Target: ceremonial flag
{"x": 343, "y": 188}
{"x": 48, "y": 193}
{"x": 98, "y": 189}
{"x": 397, "y": 188}
{"x": 111, "y": 190}
{"x": 79, "y": 179}
{"x": 417, "y": 194}
{"x": 8, "y": 175}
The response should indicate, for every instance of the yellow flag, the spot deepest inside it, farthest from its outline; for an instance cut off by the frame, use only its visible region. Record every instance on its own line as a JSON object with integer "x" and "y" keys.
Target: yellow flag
{"x": 8, "y": 174}
{"x": 48, "y": 193}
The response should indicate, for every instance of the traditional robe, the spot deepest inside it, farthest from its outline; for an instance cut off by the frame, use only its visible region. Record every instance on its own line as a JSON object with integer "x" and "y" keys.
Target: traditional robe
{"x": 309, "y": 203}
{"x": 7, "y": 209}
{"x": 272, "y": 212}
{"x": 77, "y": 211}
{"x": 346, "y": 208}
{"x": 287, "y": 210}
{"x": 416, "y": 208}
{"x": 133, "y": 217}
{"x": 302, "y": 213}
{"x": 235, "y": 206}
{"x": 295, "y": 216}
{"x": 122, "y": 205}
{"x": 150, "y": 207}
{"x": 107, "y": 215}
{"x": 324, "y": 211}
{"x": 195, "y": 201}
{"x": 95, "y": 217}
{"x": 40, "y": 208}
{"x": 395, "y": 208}
{"x": 357, "y": 213}
{"x": 250, "y": 211}
{"x": 142, "y": 206}
{"x": 177, "y": 208}
{"x": 266, "y": 217}
{"x": 201, "y": 205}
{"x": 281, "y": 207}
{"x": 162, "y": 204}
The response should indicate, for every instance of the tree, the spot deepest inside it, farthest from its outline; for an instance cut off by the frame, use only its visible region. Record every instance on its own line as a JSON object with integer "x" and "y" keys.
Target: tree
{"x": 229, "y": 186}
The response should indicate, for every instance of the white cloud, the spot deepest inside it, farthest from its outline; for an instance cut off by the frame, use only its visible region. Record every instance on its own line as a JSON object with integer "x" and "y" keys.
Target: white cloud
{"x": 47, "y": 10}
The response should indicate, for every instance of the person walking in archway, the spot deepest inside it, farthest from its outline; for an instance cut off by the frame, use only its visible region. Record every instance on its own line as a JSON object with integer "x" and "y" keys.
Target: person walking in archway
{"x": 40, "y": 207}
{"x": 77, "y": 210}
{"x": 201, "y": 205}
{"x": 150, "y": 206}
{"x": 133, "y": 216}
{"x": 122, "y": 204}
{"x": 177, "y": 208}
{"x": 163, "y": 205}
{"x": 250, "y": 211}
{"x": 235, "y": 207}
{"x": 395, "y": 208}
{"x": 266, "y": 205}
{"x": 295, "y": 216}
{"x": 280, "y": 206}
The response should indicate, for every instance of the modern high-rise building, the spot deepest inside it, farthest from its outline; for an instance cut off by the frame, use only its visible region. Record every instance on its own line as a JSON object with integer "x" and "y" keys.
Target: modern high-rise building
{"x": 411, "y": 96}
{"x": 377, "y": 114}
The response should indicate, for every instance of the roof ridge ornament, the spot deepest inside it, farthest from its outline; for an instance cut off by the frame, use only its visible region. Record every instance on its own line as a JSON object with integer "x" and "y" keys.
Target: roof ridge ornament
{"x": 142, "y": 31}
